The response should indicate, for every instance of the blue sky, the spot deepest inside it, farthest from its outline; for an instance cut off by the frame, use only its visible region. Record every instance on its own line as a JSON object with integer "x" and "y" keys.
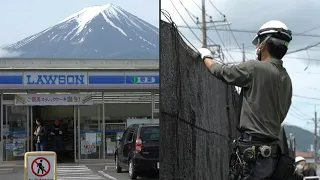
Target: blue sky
{"x": 20, "y": 18}
{"x": 250, "y": 15}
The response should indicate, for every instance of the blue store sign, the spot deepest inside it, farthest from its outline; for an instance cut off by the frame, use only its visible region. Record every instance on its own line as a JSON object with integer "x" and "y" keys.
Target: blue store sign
{"x": 55, "y": 78}
{"x": 78, "y": 80}
{"x": 142, "y": 79}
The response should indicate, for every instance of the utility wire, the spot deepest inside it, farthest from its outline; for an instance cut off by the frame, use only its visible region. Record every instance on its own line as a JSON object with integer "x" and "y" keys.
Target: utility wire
{"x": 306, "y": 97}
{"x": 188, "y": 12}
{"x": 309, "y": 29}
{"x": 186, "y": 22}
{"x": 224, "y": 45}
{"x": 290, "y": 57}
{"x": 305, "y": 48}
{"x": 222, "y": 42}
{"x": 224, "y": 16}
{"x": 250, "y": 31}
{"x": 302, "y": 114}
{"x": 216, "y": 9}
{"x": 200, "y": 8}
{"x": 168, "y": 17}
{"x": 294, "y": 115}
{"x": 234, "y": 37}
{"x": 198, "y": 26}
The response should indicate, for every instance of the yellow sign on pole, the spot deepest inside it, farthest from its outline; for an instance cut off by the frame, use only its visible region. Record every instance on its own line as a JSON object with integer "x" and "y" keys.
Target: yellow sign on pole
{"x": 40, "y": 165}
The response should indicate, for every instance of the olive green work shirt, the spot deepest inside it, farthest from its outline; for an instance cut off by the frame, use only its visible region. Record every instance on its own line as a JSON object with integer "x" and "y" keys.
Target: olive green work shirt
{"x": 267, "y": 93}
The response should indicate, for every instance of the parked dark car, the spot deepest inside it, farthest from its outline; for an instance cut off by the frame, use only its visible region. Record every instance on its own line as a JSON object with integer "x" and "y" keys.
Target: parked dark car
{"x": 138, "y": 150}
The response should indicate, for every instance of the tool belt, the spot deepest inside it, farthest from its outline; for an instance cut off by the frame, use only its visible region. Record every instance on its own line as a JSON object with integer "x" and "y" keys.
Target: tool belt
{"x": 250, "y": 150}
{"x": 246, "y": 151}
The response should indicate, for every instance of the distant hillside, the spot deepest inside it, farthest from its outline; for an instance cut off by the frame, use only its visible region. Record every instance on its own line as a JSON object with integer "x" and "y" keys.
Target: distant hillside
{"x": 303, "y": 137}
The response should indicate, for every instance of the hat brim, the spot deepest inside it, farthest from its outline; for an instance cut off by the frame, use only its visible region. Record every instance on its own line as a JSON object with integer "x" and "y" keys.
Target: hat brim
{"x": 255, "y": 40}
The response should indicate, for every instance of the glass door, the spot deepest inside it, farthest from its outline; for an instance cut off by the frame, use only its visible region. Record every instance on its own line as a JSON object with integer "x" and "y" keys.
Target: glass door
{"x": 16, "y": 132}
{"x": 76, "y": 130}
{"x": 89, "y": 118}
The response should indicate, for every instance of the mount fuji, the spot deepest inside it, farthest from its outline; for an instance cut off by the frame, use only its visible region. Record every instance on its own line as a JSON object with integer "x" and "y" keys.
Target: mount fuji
{"x": 105, "y": 31}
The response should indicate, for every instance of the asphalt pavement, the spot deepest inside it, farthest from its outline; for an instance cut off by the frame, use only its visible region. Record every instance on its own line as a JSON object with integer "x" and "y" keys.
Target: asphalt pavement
{"x": 105, "y": 171}
{"x": 111, "y": 174}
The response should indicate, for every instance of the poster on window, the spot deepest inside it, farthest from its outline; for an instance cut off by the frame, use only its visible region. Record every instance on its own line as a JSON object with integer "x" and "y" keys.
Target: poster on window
{"x": 98, "y": 139}
{"x": 111, "y": 146}
{"x": 18, "y": 147}
{"x": 88, "y": 148}
{"x": 91, "y": 138}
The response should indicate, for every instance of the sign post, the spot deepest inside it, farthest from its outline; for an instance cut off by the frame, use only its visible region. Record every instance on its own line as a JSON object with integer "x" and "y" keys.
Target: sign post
{"x": 40, "y": 165}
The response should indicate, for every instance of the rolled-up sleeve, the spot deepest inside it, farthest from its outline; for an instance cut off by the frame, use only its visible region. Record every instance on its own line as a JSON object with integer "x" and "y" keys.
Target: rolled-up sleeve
{"x": 237, "y": 75}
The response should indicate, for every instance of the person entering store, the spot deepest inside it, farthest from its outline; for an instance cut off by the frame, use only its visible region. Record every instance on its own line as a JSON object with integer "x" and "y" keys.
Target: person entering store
{"x": 40, "y": 135}
{"x": 57, "y": 134}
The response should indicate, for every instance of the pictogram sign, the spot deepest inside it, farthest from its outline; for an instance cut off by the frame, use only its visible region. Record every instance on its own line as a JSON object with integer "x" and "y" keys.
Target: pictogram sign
{"x": 40, "y": 166}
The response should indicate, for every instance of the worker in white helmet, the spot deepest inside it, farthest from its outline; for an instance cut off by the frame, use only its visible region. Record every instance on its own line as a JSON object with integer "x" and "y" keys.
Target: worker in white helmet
{"x": 266, "y": 93}
{"x": 303, "y": 170}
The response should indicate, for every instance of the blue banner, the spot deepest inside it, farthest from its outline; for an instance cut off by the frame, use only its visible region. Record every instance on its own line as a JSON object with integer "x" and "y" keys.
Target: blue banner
{"x": 78, "y": 79}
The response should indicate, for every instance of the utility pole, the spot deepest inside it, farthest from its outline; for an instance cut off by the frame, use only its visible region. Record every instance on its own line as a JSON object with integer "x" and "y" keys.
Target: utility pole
{"x": 204, "y": 28}
{"x": 243, "y": 53}
{"x": 204, "y": 25}
{"x": 315, "y": 136}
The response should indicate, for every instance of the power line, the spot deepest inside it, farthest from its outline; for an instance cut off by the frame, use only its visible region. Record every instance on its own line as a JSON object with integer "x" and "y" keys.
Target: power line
{"x": 290, "y": 57}
{"x": 202, "y": 30}
{"x": 250, "y": 31}
{"x": 185, "y": 22}
{"x": 305, "y": 48}
{"x": 309, "y": 29}
{"x": 200, "y": 8}
{"x": 188, "y": 12}
{"x": 224, "y": 45}
{"x": 234, "y": 37}
{"x": 301, "y": 113}
{"x": 294, "y": 115}
{"x": 216, "y": 9}
{"x": 305, "y": 97}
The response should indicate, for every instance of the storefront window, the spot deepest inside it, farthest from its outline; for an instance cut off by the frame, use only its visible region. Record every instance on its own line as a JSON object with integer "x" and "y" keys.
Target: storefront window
{"x": 119, "y": 116}
{"x": 90, "y": 133}
{"x": 15, "y": 132}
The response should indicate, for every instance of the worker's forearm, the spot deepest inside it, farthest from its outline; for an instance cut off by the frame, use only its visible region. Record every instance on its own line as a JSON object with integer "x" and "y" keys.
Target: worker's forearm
{"x": 209, "y": 62}
{"x": 213, "y": 66}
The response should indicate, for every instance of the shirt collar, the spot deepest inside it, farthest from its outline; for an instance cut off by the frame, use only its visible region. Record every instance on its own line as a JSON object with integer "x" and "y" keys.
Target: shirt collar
{"x": 276, "y": 61}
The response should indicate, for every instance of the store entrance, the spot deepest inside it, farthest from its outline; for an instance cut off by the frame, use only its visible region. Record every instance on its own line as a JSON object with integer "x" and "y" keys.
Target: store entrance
{"x": 65, "y": 115}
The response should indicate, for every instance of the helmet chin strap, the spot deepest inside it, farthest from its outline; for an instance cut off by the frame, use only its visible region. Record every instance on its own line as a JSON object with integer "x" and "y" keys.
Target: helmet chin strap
{"x": 258, "y": 52}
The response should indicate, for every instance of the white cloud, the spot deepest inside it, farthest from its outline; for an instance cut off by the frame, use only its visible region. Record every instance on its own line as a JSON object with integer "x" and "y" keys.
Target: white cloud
{"x": 6, "y": 54}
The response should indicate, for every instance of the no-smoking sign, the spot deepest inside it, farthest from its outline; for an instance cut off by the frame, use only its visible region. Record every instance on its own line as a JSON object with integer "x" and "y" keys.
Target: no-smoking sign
{"x": 40, "y": 165}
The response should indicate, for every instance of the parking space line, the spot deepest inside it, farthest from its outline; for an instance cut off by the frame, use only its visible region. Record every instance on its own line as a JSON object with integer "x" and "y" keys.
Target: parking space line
{"x": 107, "y": 175}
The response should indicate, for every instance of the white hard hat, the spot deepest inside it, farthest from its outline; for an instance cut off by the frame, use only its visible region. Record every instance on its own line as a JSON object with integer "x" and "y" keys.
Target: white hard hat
{"x": 300, "y": 158}
{"x": 270, "y": 27}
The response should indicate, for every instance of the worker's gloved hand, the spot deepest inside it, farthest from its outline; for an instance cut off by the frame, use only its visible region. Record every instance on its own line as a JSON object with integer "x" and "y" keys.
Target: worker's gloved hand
{"x": 205, "y": 53}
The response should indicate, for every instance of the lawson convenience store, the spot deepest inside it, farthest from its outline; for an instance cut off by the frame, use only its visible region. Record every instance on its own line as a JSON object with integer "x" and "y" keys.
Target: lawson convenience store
{"x": 94, "y": 102}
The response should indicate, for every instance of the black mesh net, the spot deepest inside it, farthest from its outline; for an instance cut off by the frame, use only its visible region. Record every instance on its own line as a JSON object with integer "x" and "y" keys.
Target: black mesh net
{"x": 197, "y": 114}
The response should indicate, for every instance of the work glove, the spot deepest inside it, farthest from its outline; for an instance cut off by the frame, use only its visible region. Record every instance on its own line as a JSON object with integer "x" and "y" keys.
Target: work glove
{"x": 205, "y": 53}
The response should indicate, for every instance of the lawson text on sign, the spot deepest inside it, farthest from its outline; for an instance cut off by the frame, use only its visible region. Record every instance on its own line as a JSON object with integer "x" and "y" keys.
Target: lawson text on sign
{"x": 55, "y": 79}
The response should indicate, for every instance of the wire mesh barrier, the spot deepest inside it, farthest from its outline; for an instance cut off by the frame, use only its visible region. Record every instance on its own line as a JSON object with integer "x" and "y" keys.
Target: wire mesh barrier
{"x": 197, "y": 114}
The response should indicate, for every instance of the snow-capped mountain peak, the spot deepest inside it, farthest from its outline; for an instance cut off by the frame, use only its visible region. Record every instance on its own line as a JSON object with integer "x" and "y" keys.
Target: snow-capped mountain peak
{"x": 86, "y": 15}
{"x": 108, "y": 24}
